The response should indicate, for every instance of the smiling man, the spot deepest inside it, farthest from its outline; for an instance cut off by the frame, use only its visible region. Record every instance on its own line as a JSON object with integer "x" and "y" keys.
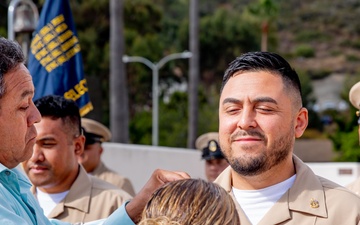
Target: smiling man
{"x": 261, "y": 115}
{"x": 63, "y": 188}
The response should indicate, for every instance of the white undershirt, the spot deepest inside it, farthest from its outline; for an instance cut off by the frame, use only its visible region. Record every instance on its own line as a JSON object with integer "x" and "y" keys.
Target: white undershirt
{"x": 256, "y": 203}
{"x": 49, "y": 201}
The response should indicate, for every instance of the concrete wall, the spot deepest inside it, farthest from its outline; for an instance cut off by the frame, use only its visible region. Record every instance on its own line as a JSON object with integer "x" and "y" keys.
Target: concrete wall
{"x": 137, "y": 162}
{"x": 342, "y": 173}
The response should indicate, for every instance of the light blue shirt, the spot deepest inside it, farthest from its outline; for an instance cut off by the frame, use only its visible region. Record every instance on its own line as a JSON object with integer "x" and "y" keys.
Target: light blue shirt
{"x": 18, "y": 205}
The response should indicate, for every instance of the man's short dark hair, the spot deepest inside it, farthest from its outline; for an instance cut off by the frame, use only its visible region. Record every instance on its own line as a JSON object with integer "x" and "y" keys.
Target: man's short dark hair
{"x": 56, "y": 107}
{"x": 11, "y": 56}
{"x": 264, "y": 61}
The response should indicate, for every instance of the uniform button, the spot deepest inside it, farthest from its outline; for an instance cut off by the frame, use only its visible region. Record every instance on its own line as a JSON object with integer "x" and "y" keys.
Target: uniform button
{"x": 7, "y": 173}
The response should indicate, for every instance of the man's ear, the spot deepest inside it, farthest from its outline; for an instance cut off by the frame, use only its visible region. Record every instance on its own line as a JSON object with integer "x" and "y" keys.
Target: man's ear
{"x": 101, "y": 149}
{"x": 301, "y": 122}
{"x": 79, "y": 145}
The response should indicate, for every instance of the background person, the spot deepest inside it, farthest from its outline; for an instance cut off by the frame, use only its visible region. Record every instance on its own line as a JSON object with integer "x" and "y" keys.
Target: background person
{"x": 261, "y": 115}
{"x": 190, "y": 202}
{"x": 215, "y": 162}
{"x": 96, "y": 133}
{"x": 63, "y": 188}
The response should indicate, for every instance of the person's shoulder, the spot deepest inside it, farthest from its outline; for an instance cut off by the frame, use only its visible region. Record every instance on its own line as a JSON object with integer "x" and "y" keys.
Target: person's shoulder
{"x": 354, "y": 186}
{"x": 112, "y": 177}
{"x": 335, "y": 191}
{"x": 100, "y": 185}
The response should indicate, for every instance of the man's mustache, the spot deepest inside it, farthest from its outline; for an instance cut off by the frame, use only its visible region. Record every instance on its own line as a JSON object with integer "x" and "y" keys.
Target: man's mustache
{"x": 243, "y": 133}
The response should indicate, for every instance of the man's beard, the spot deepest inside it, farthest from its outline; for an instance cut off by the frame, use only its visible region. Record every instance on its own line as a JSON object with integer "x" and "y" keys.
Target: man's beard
{"x": 254, "y": 165}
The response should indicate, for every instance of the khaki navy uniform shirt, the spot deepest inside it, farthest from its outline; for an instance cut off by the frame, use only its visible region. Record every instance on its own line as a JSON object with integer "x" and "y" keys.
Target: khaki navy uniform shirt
{"x": 89, "y": 199}
{"x": 311, "y": 200}
{"x": 104, "y": 173}
{"x": 354, "y": 186}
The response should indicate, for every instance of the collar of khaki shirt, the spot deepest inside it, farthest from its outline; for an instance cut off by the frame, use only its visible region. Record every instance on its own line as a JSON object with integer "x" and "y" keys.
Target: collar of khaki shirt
{"x": 295, "y": 199}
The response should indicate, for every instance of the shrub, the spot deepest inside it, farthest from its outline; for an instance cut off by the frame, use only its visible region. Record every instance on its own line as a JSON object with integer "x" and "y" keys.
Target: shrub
{"x": 304, "y": 51}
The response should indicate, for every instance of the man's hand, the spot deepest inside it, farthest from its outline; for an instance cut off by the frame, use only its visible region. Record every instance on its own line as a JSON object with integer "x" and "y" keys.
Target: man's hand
{"x": 159, "y": 177}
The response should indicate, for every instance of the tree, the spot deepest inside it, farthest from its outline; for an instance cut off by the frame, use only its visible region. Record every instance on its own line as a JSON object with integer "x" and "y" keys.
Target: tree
{"x": 263, "y": 12}
{"x": 345, "y": 136}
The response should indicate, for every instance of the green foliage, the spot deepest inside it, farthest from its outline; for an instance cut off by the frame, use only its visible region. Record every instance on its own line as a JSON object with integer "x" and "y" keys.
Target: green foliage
{"x": 224, "y": 35}
{"x": 208, "y": 109}
{"x": 142, "y": 16}
{"x": 306, "y": 88}
{"x": 173, "y": 121}
{"x": 346, "y": 135}
{"x": 172, "y": 117}
{"x": 347, "y": 143}
{"x": 3, "y": 32}
{"x": 352, "y": 58}
{"x": 304, "y": 51}
{"x": 140, "y": 128}
{"x": 350, "y": 80}
{"x": 263, "y": 10}
{"x": 306, "y": 36}
{"x": 308, "y": 100}
{"x": 351, "y": 43}
{"x": 319, "y": 74}
{"x": 92, "y": 24}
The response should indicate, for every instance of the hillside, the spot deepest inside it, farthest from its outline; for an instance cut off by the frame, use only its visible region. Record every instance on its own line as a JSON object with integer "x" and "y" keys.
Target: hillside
{"x": 330, "y": 28}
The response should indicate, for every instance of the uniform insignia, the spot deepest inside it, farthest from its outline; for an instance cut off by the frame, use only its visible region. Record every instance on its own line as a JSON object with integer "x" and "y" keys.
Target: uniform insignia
{"x": 314, "y": 203}
{"x": 212, "y": 146}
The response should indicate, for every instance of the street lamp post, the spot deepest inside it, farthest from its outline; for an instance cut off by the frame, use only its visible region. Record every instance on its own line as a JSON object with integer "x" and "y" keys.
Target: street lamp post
{"x": 155, "y": 80}
{"x": 22, "y": 20}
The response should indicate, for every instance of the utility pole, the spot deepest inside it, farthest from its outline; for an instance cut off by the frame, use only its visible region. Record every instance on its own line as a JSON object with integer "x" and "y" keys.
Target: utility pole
{"x": 119, "y": 100}
{"x": 193, "y": 109}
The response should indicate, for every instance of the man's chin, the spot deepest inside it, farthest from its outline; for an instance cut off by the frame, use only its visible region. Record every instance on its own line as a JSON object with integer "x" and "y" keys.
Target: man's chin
{"x": 252, "y": 168}
{"x": 38, "y": 182}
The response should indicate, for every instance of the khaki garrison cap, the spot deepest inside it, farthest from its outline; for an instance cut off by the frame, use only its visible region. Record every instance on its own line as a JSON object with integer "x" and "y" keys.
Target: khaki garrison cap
{"x": 354, "y": 95}
{"x": 95, "y": 130}
{"x": 209, "y": 145}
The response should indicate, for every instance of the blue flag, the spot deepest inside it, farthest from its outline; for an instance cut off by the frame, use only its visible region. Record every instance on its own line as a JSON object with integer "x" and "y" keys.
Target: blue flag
{"x": 55, "y": 61}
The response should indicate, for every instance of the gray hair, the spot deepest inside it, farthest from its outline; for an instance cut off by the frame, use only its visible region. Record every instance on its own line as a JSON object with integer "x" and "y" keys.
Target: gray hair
{"x": 11, "y": 56}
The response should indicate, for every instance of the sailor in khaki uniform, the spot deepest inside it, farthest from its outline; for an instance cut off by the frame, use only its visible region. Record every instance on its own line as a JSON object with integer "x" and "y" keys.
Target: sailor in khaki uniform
{"x": 96, "y": 133}
{"x": 260, "y": 116}
{"x": 61, "y": 185}
{"x": 215, "y": 162}
{"x": 88, "y": 199}
{"x": 354, "y": 97}
{"x": 310, "y": 200}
